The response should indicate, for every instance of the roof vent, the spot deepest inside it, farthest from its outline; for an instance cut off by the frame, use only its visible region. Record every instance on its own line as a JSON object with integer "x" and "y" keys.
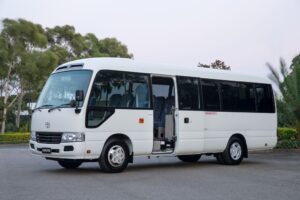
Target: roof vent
{"x": 62, "y": 67}
{"x": 76, "y": 65}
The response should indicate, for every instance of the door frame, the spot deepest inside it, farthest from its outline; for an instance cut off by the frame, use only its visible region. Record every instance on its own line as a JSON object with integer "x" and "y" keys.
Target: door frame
{"x": 176, "y": 110}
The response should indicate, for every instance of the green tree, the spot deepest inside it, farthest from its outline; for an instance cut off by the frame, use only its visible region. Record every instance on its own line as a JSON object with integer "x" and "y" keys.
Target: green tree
{"x": 288, "y": 82}
{"x": 28, "y": 54}
{"x": 64, "y": 41}
{"x": 20, "y": 39}
{"x": 218, "y": 64}
{"x": 111, "y": 47}
{"x": 68, "y": 45}
{"x": 284, "y": 114}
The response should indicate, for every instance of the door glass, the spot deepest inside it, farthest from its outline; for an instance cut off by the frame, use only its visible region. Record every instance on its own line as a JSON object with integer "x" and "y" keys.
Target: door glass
{"x": 114, "y": 89}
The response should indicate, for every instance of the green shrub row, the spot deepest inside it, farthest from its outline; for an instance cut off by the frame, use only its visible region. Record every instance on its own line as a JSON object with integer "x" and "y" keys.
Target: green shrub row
{"x": 286, "y": 134}
{"x": 287, "y": 138}
{"x": 288, "y": 144}
{"x": 10, "y": 138}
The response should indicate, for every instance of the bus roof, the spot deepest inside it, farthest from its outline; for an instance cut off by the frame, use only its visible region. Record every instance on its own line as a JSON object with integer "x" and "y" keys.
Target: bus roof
{"x": 130, "y": 65}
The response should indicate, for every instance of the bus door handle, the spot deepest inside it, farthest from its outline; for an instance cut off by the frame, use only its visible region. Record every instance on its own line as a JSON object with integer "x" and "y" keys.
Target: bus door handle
{"x": 186, "y": 120}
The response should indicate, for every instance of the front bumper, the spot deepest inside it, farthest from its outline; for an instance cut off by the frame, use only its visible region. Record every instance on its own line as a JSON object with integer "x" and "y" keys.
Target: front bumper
{"x": 72, "y": 150}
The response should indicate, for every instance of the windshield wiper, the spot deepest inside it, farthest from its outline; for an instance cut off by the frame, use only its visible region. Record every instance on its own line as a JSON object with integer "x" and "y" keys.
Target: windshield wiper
{"x": 42, "y": 106}
{"x": 59, "y": 106}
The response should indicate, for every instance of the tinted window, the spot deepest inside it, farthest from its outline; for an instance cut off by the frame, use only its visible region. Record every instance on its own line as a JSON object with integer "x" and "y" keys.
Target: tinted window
{"x": 237, "y": 97}
{"x": 120, "y": 90}
{"x": 210, "y": 94}
{"x": 246, "y": 97}
{"x": 112, "y": 89}
{"x": 230, "y": 96}
{"x": 188, "y": 93}
{"x": 264, "y": 98}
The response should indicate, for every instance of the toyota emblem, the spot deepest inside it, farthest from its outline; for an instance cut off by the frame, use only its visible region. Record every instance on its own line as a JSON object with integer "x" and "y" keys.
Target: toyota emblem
{"x": 47, "y": 124}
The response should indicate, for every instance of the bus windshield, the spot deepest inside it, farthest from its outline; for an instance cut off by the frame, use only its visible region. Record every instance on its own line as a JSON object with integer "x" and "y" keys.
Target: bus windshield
{"x": 61, "y": 87}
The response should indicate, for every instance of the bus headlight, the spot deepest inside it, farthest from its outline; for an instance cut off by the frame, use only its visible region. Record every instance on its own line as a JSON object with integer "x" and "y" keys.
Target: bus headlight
{"x": 72, "y": 137}
{"x": 33, "y": 136}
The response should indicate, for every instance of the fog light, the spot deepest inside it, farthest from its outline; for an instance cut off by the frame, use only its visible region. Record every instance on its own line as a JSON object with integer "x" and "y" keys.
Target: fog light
{"x": 68, "y": 148}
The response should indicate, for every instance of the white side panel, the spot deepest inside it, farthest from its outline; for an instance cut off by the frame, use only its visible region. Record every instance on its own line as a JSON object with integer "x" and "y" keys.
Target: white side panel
{"x": 126, "y": 122}
{"x": 259, "y": 129}
{"x": 190, "y": 135}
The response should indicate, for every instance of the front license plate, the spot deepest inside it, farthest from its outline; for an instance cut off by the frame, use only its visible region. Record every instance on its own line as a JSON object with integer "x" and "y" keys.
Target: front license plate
{"x": 46, "y": 150}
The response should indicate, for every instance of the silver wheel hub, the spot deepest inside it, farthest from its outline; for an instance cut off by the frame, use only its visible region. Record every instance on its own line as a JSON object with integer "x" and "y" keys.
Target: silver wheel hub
{"x": 235, "y": 151}
{"x": 116, "y": 156}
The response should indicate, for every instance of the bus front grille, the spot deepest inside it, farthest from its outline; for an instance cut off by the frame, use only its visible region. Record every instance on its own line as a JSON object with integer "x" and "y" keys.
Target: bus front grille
{"x": 48, "y": 137}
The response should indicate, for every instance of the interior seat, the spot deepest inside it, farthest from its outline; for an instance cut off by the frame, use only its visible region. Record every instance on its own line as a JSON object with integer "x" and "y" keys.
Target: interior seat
{"x": 141, "y": 96}
{"x": 127, "y": 100}
{"x": 159, "y": 103}
{"x": 115, "y": 100}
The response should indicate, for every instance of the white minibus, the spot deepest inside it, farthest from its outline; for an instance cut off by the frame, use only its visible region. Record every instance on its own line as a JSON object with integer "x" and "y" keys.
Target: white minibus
{"x": 109, "y": 110}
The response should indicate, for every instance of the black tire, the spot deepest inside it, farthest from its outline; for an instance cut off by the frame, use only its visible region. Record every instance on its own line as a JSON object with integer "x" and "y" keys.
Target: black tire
{"x": 219, "y": 158}
{"x": 235, "y": 158}
{"x": 69, "y": 164}
{"x": 105, "y": 160}
{"x": 189, "y": 158}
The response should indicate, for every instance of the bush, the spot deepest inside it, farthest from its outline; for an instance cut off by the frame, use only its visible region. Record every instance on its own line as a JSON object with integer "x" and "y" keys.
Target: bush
{"x": 288, "y": 144}
{"x": 11, "y": 138}
{"x": 286, "y": 134}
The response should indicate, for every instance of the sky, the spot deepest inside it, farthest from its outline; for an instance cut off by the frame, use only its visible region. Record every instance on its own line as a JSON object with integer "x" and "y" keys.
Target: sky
{"x": 244, "y": 34}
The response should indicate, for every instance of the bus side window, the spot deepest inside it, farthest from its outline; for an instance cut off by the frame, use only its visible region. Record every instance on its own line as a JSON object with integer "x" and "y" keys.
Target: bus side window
{"x": 264, "y": 98}
{"x": 138, "y": 88}
{"x": 230, "y": 96}
{"x": 210, "y": 92}
{"x": 246, "y": 97}
{"x": 188, "y": 93}
{"x": 114, "y": 89}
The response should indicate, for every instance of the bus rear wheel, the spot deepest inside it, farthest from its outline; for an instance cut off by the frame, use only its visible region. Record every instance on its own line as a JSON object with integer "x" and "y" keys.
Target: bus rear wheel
{"x": 69, "y": 164}
{"x": 114, "y": 157}
{"x": 189, "y": 158}
{"x": 233, "y": 154}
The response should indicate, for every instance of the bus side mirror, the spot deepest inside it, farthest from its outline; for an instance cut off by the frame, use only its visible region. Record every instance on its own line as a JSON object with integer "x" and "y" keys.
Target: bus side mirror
{"x": 79, "y": 95}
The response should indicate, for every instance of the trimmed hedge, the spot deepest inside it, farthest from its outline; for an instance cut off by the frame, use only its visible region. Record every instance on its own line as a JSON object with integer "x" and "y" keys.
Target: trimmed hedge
{"x": 288, "y": 144}
{"x": 286, "y": 134}
{"x": 287, "y": 138}
{"x": 12, "y": 138}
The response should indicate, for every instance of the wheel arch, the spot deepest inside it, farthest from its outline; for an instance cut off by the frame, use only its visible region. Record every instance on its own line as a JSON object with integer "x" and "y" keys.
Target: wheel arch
{"x": 243, "y": 139}
{"x": 126, "y": 139}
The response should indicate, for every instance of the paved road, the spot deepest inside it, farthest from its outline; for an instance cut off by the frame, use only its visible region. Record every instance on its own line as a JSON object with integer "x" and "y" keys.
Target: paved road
{"x": 261, "y": 177}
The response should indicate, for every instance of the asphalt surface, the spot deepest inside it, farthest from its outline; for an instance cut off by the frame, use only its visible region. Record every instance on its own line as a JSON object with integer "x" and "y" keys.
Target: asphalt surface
{"x": 262, "y": 176}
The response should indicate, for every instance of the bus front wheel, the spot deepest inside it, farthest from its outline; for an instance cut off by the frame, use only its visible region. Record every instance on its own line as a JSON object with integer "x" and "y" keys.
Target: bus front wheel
{"x": 114, "y": 157}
